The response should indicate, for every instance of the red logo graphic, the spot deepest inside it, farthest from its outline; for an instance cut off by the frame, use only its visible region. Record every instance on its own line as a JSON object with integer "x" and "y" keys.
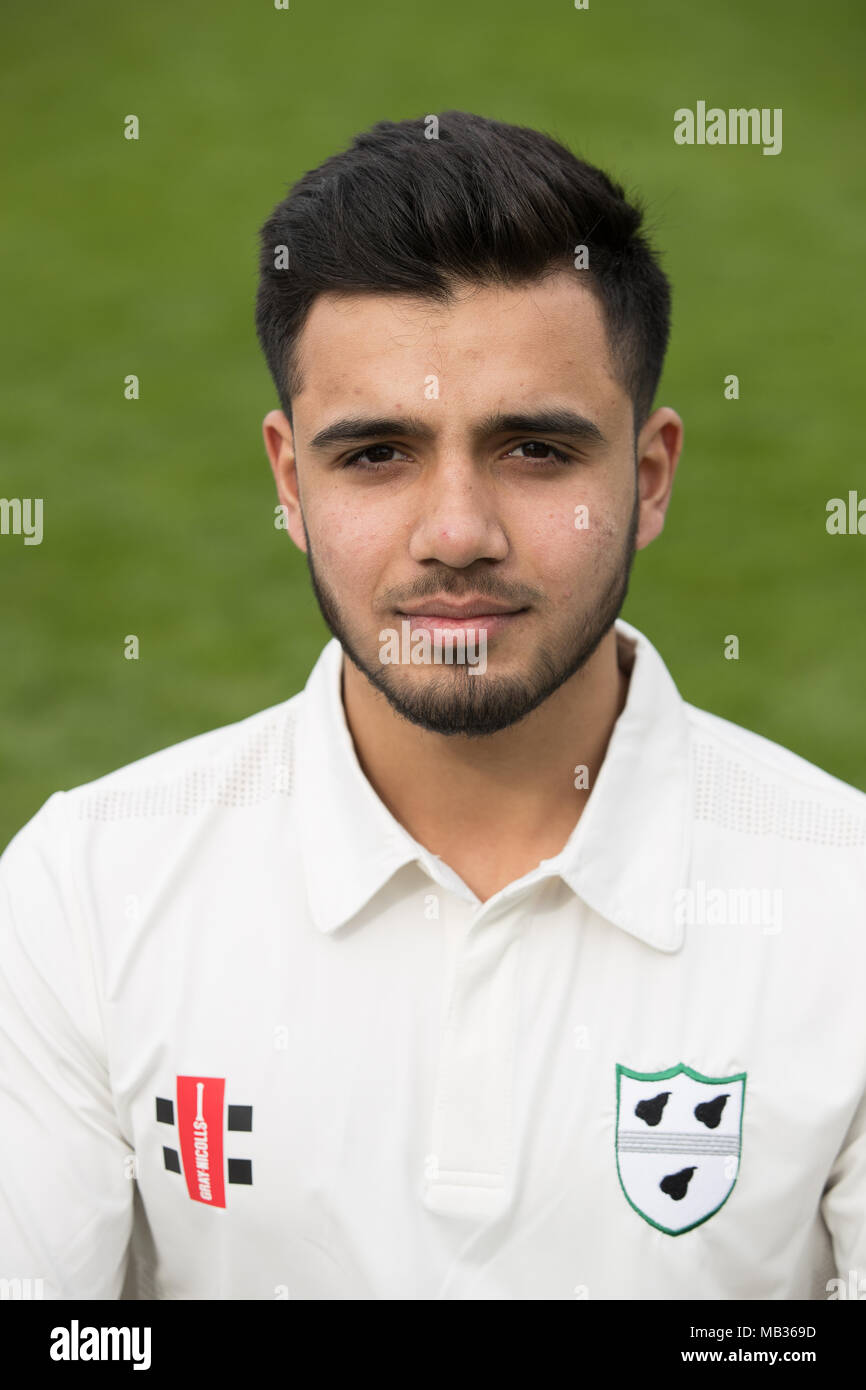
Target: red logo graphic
{"x": 200, "y": 1125}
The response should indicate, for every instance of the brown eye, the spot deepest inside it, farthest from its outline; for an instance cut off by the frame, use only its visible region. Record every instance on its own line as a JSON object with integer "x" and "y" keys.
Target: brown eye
{"x": 538, "y": 450}
{"x": 373, "y": 456}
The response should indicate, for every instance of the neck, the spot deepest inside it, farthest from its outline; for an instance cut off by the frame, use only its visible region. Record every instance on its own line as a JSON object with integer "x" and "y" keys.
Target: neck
{"x": 491, "y": 807}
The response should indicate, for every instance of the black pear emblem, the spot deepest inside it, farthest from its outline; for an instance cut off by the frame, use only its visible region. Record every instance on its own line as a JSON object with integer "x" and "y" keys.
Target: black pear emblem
{"x": 709, "y": 1112}
{"x": 676, "y": 1185}
{"x": 651, "y": 1110}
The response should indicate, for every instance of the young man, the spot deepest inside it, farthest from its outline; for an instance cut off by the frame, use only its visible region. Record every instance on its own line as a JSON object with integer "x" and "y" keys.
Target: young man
{"x": 485, "y": 967}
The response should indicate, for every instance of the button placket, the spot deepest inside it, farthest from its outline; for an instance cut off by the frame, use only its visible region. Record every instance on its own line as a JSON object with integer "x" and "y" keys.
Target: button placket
{"x": 466, "y": 1171}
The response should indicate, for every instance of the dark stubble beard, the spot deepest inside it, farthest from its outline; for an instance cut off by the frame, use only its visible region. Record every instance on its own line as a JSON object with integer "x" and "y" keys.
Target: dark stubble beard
{"x": 458, "y": 702}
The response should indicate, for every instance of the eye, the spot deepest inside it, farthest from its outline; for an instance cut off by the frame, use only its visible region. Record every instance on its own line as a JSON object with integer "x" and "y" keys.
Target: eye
{"x": 541, "y": 451}
{"x": 373, "y": 457}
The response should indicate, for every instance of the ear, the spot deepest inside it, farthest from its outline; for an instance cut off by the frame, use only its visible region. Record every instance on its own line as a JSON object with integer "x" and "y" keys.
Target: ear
{"x": 658, "y": 449}
{"x": 280, "y": 448}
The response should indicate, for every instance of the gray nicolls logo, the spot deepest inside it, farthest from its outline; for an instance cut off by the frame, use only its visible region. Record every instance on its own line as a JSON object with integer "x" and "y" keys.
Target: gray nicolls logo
{"x": 199, "y": 1120}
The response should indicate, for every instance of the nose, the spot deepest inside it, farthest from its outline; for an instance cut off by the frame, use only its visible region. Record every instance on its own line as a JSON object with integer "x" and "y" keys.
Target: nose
{"x": 458, "y": 519}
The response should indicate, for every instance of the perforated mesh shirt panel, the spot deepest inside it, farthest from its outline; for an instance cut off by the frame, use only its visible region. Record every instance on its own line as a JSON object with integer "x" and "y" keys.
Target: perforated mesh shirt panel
{"x": 731, "y": 792}
{"x": 255, "y": 770}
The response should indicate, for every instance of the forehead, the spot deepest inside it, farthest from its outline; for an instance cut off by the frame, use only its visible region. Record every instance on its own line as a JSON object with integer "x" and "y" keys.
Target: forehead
{"x": 501, "y": 340}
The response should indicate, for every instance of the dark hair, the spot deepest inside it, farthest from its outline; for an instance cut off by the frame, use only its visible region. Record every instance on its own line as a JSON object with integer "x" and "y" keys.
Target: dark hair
{"x": 484, "y": 202}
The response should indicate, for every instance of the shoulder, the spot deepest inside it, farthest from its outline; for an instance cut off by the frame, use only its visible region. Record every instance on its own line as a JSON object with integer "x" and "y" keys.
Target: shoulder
{"x": 242, "y": 764}
{"x": 746, "y": 782}
{"x": 235, "y": 765}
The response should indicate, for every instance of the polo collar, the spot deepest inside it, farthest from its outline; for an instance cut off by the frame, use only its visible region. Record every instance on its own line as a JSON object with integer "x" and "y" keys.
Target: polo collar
{"x": 629, "y": 852}
{"x": 352, "y": 844}
{"x": 625, "y": 858}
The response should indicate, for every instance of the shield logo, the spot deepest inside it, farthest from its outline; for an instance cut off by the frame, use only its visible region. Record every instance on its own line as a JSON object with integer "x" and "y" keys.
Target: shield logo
{"x": 678, "y": 1141}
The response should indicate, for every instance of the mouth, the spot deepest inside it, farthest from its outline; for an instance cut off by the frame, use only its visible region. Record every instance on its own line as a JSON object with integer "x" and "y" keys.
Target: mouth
{"x": 440, "y": 615}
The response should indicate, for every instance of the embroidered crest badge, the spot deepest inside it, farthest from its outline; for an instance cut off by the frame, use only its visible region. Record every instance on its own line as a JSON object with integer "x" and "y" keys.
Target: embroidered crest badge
{"x": 678, "y": 1143}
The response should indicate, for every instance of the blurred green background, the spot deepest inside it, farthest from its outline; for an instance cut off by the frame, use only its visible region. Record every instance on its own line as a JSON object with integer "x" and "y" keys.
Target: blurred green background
{"x": 140, "y": 257}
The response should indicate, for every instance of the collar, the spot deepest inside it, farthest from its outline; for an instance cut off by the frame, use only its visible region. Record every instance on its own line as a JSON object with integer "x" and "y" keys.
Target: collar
{"x": 625, "y": 858}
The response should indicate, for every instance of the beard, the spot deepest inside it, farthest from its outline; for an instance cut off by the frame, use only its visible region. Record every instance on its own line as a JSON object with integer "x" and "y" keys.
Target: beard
{"x": 475, "y": 705}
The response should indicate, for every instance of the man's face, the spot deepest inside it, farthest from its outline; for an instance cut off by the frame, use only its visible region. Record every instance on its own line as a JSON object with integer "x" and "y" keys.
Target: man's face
{"x": 476, "y": 461}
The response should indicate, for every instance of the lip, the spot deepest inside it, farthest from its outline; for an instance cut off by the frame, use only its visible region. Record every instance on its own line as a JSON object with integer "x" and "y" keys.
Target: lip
{"x": 490, "y": 622}
{"x": 473, "y": 608}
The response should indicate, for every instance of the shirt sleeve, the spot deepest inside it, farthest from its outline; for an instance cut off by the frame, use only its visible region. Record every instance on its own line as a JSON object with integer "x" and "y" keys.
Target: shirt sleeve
{"x": 844, "y": 1202}
{"x": 66, "y": 1171}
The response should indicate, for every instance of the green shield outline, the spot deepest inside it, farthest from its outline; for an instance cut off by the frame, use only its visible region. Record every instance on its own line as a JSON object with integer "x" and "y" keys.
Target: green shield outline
{"x": 678, "y": 1070}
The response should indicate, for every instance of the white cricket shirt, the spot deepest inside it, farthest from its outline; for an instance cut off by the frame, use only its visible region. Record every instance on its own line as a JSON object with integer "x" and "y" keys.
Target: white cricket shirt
{"x": 247, "y": 1020}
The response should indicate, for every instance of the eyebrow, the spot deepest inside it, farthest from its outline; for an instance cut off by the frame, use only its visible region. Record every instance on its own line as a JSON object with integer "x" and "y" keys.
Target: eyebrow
{"x": 556, "y": 420}
{"x": 357, "y": 427}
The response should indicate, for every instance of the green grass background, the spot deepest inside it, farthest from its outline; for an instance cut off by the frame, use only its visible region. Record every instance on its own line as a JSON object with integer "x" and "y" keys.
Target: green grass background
{"x": 140, "y": 257}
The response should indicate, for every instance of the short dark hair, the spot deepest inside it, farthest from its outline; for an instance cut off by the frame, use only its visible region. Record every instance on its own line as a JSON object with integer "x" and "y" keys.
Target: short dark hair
{"x": 485, "y": 202}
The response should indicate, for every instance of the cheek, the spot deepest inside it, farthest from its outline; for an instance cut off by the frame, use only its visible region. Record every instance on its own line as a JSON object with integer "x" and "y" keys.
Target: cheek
{"x": 351, "y": 545}
{"x": 569, "y": 539}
